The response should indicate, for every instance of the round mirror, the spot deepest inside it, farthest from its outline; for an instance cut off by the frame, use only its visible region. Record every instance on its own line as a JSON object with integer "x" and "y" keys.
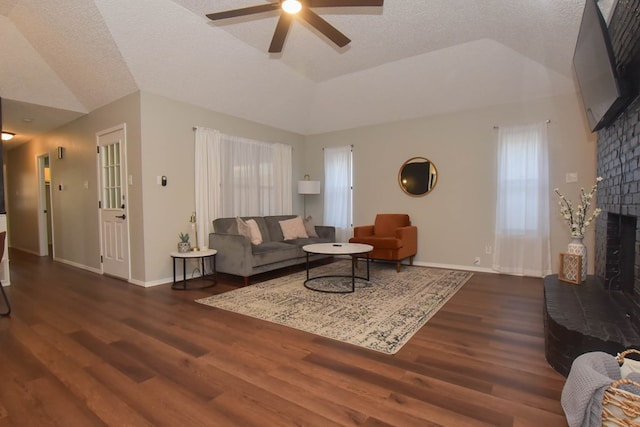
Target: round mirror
{"x": 417, "y": 176}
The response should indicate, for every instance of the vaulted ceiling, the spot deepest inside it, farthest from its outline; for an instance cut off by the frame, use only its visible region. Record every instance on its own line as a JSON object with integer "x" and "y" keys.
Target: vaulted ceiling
{"x": 409, "y": 58}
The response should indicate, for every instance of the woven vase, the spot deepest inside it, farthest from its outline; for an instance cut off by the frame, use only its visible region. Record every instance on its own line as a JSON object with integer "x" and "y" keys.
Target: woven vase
{"x": 578, "y": 248}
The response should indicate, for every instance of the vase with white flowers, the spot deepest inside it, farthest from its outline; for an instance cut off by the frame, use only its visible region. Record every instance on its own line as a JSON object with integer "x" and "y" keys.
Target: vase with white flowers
{"x": 579, "y": 219}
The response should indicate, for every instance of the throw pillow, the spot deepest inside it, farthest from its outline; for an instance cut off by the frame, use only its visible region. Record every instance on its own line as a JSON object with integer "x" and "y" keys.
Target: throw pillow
{"x": 309, "y": 227}
{"x": 256, "y": 236}
{"x": 293, "y": 229}
{"x": 243, "y": 227}
{"x": 250, "y": 229}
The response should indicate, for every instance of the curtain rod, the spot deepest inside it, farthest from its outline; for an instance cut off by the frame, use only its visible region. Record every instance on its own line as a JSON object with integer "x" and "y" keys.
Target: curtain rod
{"x": 547, "y": 122}
{"x": 350, "y": 145}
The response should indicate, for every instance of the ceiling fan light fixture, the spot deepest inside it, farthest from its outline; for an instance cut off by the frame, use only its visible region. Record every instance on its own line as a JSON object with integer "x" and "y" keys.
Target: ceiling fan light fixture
{"x": 6, "y": 136}
{"x": 291, "y": 6}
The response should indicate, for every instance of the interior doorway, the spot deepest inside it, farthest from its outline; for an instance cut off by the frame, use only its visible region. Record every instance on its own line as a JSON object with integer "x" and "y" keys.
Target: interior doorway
{"x": 114, "y": 226}
{"x": 45, "y": 212}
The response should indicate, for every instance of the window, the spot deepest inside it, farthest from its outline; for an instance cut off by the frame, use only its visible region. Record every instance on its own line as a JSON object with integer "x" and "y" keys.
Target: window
{"x": 522, "y": 211}
{"x": 237, "y": 176}
{"x": 338, "y": 198}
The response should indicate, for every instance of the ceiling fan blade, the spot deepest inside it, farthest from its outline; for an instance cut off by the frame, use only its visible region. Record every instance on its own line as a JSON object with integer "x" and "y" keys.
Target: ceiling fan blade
{"x": 344, "y": 3}
{"x": 280, "y": 34}
{"x": 244, "y": 11}
{"x": 324, "y": 27}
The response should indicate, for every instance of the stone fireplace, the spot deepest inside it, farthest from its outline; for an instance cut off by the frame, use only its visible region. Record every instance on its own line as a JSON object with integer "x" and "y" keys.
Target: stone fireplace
{"x": 617, "y": 248}
{"x": 617, "y": 251}
{"x": 620, "y": 260}
{"x": 603, "y": 314}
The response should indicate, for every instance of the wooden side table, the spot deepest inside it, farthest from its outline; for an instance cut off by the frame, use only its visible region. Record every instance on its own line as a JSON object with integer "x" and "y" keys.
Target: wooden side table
{"x": 201, "y": 255}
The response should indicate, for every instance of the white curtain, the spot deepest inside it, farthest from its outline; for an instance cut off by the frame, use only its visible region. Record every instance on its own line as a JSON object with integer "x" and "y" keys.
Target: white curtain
{"x": 239, "y": 177}
{"x": 522, "y": 213}
{"x": 337, "y": 191}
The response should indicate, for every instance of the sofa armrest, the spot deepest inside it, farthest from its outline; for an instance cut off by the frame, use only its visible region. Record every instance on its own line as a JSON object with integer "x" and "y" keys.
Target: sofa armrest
{"x": 363, "y": 231}
{"x": 235, "y": 255}
{"x": 326, "y": 232}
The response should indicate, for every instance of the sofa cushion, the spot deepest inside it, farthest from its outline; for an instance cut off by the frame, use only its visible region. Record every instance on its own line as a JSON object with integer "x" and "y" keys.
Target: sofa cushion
{"x": 293, "y": 229}
{"x": 230, "y": 226}
{"x": 310, "y": 227}
{"x": 243, "y": 228}
{"x": 225, "y": 226}
{"x": 272, "y": 252}
{"x": 250, "y": 229}
{"x": 272, "y": 223}
{"x": 308, "y": 241}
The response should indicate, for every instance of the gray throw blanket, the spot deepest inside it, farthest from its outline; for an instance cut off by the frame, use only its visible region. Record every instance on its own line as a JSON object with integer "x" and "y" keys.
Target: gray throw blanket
{"x": 590, "y": 375}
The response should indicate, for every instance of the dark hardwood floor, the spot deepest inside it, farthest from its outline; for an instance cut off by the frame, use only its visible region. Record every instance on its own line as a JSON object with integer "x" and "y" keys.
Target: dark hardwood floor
{"x": 85, "y": 350}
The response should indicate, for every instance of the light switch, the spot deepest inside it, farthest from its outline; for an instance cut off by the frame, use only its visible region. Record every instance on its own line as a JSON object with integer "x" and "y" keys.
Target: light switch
{"x": 86, "y": 185}
{"x": 571, "y": 177}
{"x": 130, "y": 180}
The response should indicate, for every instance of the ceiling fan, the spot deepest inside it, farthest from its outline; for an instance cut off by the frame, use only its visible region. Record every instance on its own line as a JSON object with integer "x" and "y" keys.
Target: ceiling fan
{"x": 302, "y": 8}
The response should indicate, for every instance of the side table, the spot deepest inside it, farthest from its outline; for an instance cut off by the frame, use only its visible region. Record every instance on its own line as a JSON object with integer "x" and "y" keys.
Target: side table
{"x": 201, "y": 254}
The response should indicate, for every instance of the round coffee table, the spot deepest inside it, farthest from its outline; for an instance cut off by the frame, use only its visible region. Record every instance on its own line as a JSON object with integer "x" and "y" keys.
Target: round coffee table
{"x": 352, "y": 249}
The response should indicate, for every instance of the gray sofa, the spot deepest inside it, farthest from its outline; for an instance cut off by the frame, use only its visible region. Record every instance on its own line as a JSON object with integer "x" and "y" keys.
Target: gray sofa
{"x": 237, "y": 256}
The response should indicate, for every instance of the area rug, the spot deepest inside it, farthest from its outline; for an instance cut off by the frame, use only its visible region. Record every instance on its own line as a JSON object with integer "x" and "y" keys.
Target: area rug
{"x": 381, "y": 315}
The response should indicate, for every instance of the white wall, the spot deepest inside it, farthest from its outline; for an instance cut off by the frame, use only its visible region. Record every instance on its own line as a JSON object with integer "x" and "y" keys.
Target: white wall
{"x": 456, "y": 220}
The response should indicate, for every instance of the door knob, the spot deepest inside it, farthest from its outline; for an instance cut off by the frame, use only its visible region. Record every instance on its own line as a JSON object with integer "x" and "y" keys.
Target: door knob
{"x": 123, "y": 216}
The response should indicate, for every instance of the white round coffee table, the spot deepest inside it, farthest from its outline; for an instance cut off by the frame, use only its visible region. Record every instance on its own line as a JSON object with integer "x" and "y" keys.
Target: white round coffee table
{"x": 352, "y": 249}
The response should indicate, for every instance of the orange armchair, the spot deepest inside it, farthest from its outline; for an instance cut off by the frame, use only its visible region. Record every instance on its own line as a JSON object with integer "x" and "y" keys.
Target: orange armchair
{"x": 392, "y": 236}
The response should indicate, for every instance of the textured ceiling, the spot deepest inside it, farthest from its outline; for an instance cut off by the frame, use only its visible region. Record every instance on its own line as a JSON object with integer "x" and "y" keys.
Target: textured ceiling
{"x": 407, "y": 59}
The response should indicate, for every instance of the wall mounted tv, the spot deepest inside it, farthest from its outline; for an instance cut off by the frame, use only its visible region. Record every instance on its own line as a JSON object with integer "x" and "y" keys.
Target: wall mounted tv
{"x": 601, "y": 86}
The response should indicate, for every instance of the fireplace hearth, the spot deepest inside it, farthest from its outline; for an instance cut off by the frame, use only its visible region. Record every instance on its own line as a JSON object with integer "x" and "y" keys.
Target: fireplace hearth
{"x": 583, "y": 318}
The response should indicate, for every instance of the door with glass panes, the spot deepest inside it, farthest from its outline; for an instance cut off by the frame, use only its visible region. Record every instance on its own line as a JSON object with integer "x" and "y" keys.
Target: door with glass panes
{"x": 114, "y": 228}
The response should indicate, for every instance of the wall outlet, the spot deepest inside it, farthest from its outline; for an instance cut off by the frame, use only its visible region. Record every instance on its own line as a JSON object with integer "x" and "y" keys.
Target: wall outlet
{"x": 476, "y": 261}
{"x": 488, "y": 249}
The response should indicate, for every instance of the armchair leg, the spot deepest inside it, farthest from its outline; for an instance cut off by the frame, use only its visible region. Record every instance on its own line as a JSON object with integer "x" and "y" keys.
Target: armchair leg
{"x": 398, "y": 265}
{"x": 411, "y": 260}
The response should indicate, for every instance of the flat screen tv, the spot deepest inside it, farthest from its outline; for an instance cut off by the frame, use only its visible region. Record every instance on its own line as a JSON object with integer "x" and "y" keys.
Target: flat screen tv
{"x": 602, "y": 89}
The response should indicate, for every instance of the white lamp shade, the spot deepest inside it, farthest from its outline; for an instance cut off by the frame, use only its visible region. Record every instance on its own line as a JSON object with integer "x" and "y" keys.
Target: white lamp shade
{"x": 308, "y": 187}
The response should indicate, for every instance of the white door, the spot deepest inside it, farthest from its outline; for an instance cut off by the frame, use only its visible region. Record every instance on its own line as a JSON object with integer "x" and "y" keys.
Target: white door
{"x": 114, "y": 226}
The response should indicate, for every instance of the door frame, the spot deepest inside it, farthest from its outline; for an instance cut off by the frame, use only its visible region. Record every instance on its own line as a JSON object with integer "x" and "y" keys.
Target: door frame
{"x": 43, "y": 224}
{"x": 125, "y": 189}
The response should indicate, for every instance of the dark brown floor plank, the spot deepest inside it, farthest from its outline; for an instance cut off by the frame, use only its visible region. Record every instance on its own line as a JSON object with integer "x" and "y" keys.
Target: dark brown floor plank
{"x": 87, "y": 350}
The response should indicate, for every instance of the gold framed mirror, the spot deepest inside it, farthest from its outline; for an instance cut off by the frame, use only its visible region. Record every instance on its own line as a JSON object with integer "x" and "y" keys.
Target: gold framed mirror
{"x": 417, "y": 176}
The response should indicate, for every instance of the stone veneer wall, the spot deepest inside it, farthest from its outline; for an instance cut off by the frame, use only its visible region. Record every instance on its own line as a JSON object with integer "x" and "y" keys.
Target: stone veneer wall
{"x": 619, "y": 150}
{"x": 619, "y": 192}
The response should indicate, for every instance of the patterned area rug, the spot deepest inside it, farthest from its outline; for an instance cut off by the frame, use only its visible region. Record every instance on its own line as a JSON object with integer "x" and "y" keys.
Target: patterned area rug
{"x": 381, "y": 314}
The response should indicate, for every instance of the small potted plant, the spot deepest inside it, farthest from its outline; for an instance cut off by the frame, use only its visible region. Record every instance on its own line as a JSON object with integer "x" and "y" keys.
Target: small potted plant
{"x": 183, "y": 244}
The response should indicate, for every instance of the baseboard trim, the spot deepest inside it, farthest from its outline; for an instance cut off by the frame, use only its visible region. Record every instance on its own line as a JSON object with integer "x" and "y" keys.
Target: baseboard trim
{"x": 77, "y": 265}
{"x": 152, "y": 283}
{"x": 457, "y": 267}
